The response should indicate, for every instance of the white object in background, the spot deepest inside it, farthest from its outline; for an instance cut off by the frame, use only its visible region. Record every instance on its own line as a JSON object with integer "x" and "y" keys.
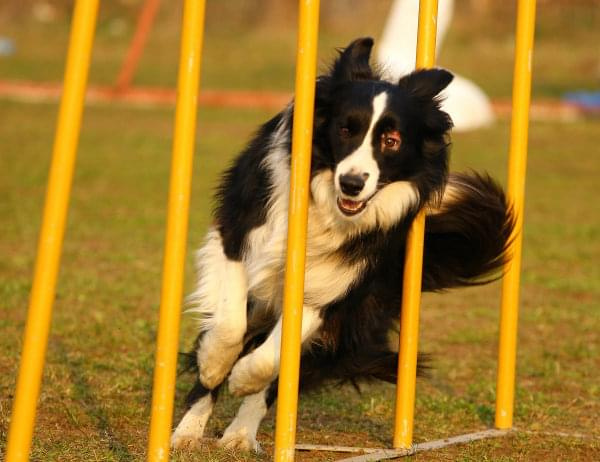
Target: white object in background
{"x": 7, "y": 46}
{"x": 466, "y": 103}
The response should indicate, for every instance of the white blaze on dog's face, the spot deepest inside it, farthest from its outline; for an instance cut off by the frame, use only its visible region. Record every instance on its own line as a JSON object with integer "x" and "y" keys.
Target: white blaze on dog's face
{"x": 365, "y": 134}
{"x": 357, "y": 175}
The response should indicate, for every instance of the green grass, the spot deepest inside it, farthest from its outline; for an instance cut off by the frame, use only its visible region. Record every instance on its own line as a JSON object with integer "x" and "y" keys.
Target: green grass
{"x": 97, "y": 381}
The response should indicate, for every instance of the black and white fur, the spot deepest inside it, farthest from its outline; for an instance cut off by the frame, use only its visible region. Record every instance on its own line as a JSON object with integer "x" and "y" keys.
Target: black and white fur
{"x": 380, "y": 154}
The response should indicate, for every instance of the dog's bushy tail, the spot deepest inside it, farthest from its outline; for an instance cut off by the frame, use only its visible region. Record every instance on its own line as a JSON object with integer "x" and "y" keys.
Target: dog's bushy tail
{"x": 467, "y": 236}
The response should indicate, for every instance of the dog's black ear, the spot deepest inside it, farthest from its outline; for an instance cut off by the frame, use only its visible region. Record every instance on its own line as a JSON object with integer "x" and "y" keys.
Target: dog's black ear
{"x": 426, "y": 83}
{"x": 353, "y": 62}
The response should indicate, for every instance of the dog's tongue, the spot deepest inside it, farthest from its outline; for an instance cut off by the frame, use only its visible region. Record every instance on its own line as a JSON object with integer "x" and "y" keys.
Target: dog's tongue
{"x": 350, "y": 205}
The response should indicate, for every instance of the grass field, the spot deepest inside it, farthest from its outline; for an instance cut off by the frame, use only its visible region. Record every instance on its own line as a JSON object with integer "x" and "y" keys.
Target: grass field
{"x": 97, "y": 382}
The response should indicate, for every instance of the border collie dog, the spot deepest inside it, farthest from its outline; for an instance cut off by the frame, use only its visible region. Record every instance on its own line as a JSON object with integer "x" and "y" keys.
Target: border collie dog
{"x": 379, "y": 155}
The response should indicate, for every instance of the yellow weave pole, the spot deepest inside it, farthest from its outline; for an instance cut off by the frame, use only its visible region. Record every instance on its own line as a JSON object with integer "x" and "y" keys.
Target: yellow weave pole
{"x": 287, "y": 401}
{"x": 517, "y": 161}
{"x": 413, "y": 266}
{"x": 52, "y": 231}
{"x": 176, "y": 235}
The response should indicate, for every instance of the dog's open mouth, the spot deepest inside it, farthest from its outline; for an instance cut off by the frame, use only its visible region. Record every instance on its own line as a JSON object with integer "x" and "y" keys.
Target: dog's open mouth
{"x": 349, "y": 207}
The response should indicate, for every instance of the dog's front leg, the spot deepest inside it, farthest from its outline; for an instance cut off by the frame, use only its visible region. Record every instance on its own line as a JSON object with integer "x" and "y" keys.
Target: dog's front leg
{"x": 257, "y": 369}
{"x": 241, "y": 433}
{"x": 190, "y": 430}
{"x": 220, "y": 300}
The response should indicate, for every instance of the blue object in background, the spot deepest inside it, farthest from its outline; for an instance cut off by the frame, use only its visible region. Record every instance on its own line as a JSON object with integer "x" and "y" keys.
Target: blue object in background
{"x": 588, "y": 100}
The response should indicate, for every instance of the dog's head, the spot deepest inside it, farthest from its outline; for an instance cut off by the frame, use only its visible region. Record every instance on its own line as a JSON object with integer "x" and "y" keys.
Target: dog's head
{"x": 381, "y": 148}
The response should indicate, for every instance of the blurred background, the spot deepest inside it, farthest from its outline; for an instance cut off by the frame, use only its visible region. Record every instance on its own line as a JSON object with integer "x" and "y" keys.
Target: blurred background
{"x": 260, "y": 36}
{"x": 97, "y": 383}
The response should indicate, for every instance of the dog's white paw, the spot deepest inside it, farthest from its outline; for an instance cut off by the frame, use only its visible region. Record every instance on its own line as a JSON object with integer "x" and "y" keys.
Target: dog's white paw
{"x": 179, "y": 441}
{"x": 215, "y": 360}
{"x": 239, "y": 440}
{"x": 250, "y": 375}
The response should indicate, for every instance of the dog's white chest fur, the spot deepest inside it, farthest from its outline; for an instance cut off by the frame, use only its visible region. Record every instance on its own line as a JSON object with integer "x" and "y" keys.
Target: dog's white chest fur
{"x": 327, "y": 277}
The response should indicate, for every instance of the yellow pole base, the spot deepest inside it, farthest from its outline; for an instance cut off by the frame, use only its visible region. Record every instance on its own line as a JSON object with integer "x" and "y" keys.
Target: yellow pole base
{"x": 517, "y": 161}
{"x": 176, "y": 236}
{"x": 306, "y": 69}
{"x": 413, "y": 267}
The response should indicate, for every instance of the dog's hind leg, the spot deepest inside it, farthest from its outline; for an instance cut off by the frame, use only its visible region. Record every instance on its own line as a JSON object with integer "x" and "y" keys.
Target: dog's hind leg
{"x": 220, "y": 301}
{"x": 241, "y": 433}
{"x": 190, "y": 430}
{"x": 257, "y": 369}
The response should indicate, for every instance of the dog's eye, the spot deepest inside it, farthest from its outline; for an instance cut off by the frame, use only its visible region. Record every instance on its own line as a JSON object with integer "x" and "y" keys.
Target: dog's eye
{"x": 345, "y": 132}
{"x": 390, "y": 140}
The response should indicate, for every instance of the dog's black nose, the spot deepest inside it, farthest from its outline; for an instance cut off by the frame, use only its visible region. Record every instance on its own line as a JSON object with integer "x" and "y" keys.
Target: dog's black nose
{"x": 352, "y": 185}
